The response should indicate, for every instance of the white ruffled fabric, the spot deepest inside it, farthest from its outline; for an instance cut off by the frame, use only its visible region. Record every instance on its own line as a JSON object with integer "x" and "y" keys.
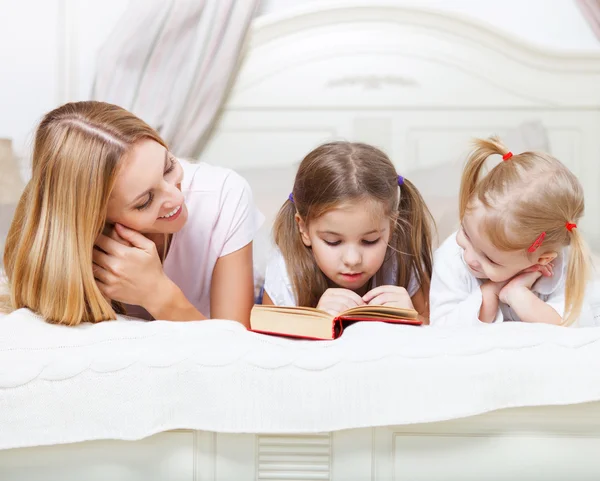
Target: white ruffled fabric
{"x": 129, "y": 379}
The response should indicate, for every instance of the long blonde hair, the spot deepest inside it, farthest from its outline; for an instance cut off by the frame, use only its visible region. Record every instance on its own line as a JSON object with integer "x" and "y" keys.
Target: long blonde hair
{"x": 48, "y": 254}
{"x": 335, "y": 173}
{"x": 529, "y": 194}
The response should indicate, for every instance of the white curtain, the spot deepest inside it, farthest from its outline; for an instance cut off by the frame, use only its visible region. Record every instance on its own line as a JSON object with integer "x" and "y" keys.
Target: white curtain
{"x": 591, "y": 12}
{"x": 171, "y": 63}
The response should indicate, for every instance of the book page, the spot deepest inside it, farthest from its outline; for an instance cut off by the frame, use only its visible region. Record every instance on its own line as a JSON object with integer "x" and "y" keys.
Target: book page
{"x": 307, "y": 323}
{"x": 294, "y": 311}
{"x": 383, "y": 312}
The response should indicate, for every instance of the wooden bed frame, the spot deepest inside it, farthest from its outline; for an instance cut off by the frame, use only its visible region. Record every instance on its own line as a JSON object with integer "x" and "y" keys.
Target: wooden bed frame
{"x": 540, "y": 443}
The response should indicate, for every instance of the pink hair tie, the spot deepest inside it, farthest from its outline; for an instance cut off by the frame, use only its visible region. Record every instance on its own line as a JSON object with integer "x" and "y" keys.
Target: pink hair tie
{"x": 536, "y": 243}
{"x": 570, "y": 226}
{"x": 507, "y": 156}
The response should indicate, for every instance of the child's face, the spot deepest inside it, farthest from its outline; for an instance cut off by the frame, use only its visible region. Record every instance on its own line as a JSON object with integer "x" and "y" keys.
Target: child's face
{"x": 483, "y": 259}
{"x": 349, "y": 242}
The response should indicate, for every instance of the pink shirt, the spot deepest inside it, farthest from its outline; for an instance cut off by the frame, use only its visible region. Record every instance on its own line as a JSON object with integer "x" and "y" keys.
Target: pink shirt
{"x": 222, "y": 218}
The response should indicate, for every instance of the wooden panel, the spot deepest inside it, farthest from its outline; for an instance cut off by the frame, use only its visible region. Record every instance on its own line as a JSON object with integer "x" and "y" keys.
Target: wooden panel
{"x": 542, "y": 443}
{"x": 165, "y": 456}
{"x": 294, "y": 457}
{"x": 495, "y": 457}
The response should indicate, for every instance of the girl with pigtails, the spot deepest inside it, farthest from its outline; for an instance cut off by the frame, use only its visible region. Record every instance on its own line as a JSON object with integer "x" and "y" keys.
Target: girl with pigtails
{"x": 518, "y": 255}
{"x": 353, "y": 232}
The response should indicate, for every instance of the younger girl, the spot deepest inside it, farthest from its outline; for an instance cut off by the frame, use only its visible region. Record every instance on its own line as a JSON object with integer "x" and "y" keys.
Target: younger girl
{"x": 518, "y": 255}
{"x": 353, "y": 232}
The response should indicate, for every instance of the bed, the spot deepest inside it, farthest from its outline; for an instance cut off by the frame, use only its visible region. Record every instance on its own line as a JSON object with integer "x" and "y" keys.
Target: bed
{"x": 383, "y": 402}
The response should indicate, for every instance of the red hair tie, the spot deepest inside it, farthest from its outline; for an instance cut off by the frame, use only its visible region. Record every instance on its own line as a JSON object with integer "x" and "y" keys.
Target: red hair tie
{"x": 507, "y": 156}
{"x": 570, "y": 226}
{"x": 536, "y": 243}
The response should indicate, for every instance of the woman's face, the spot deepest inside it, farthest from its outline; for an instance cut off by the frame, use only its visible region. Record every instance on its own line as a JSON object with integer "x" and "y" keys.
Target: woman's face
{"x": 147, "y": 193}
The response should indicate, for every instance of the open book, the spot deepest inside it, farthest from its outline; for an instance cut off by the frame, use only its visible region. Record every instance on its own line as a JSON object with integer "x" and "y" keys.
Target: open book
{"x": 310, "y": 323}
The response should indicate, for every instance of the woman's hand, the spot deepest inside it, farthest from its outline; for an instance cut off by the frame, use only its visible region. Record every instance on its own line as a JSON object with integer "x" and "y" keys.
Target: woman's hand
{"x": 127, "y": 267}
{"x": 393, "y": 296}
{"x": 336, "y": 300}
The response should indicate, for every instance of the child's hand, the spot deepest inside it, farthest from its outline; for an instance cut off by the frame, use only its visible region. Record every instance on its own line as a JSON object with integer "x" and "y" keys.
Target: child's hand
{"x": 493, "y": 287}
{"x": 336, "y": 300}
{"x": 524, "y": 280}
{"x": 546, "y": 270}
{"x": 394, "y": 296}
{"x": 490, "y": 299}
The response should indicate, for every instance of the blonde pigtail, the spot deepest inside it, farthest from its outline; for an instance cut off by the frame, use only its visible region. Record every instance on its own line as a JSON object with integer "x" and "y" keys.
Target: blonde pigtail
{"x": 578, "y": 274}
{"x": 472, "y": 171}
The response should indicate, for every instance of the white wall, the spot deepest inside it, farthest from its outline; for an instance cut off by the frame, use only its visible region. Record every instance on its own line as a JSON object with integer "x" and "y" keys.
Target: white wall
{"x": 555, "y": 24}
{"x": 48, "y": 47}
{"x": 47, "y": 51}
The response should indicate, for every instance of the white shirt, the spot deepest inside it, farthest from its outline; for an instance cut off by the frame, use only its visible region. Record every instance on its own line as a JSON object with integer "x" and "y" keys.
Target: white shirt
{"x": 222, "y": 218}
{"x": 279, "y": 286}
{"x": 455, "y": 297}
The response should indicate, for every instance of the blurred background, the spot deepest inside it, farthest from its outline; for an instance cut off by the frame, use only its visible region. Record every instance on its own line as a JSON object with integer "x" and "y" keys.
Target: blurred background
{"x": 49, "y": 48}
{"x": 185, "y": 66}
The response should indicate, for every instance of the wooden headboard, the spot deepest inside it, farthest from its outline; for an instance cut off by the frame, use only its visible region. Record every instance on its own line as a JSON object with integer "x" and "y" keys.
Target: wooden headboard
{"x": 417, "y": 83}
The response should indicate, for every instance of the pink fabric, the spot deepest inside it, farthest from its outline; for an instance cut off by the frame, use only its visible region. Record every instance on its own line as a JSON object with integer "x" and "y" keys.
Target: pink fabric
{"x": 170, "y": 62}
{"x": 591, "y": 12}
{"x": 222, "y": 218}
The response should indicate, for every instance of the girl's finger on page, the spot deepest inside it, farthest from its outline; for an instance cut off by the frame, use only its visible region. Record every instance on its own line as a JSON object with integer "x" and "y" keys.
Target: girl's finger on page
{"x": 383, "y": 299}
{"x": 352, "y": 296}
{"x": 379, "y": 290}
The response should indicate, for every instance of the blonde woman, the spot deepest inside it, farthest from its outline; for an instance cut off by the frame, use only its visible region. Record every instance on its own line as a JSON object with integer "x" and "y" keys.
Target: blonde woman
{"x": 111, "y": 222}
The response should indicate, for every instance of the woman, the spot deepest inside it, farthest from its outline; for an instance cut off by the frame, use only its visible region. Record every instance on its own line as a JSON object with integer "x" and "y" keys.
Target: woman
{"x": 111, "y": 217}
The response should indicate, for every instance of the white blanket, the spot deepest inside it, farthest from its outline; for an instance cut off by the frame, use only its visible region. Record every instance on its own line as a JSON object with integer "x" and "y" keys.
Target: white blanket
{"x": 130, "y": 379}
